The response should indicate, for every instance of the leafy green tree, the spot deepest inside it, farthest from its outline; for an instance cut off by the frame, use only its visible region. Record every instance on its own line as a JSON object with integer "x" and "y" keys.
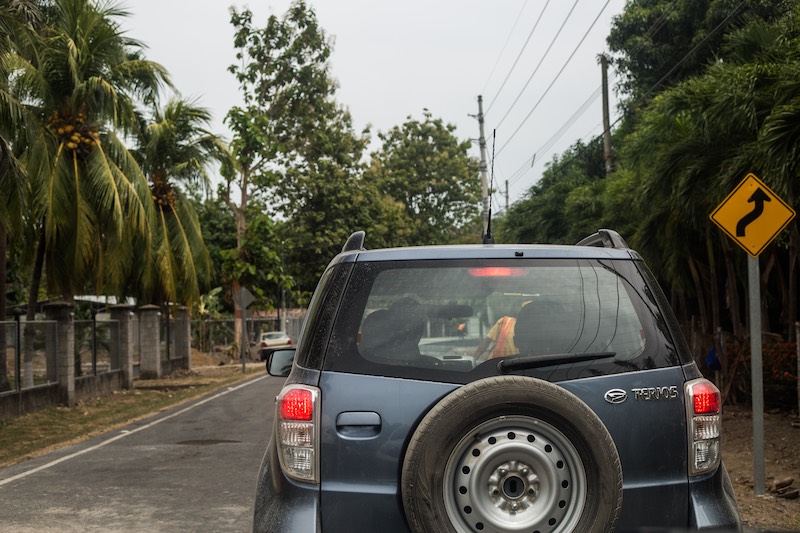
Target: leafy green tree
{"x": 284, "y": 80}
{"x": 174, "y": 151}
{"x": 700, "y": 122}
{"x": 658, "y": 43}
{"x": 298, "y": 160}
{"x": 699, "y": 139}
{"x": 17, "y": 18}
{"x": 219, "y": 230}
{"x": 326, "y": 197}
{"x": 283, "y": 74}
{"x": 422, "y": 165}
{"x": 561, "y": 207}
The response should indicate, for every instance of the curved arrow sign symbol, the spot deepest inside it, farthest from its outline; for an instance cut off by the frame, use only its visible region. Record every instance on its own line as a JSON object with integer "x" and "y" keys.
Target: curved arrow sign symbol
{"x": 757, "y": 198}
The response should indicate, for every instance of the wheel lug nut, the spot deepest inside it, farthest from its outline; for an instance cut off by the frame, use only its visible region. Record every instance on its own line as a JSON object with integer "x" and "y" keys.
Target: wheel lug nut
{"x": 503, "y": 471}
{"x": 524, "y": 471}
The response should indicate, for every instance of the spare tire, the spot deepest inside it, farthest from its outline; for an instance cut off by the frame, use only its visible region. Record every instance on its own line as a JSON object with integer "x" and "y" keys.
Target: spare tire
{"x": 511, "y": 454}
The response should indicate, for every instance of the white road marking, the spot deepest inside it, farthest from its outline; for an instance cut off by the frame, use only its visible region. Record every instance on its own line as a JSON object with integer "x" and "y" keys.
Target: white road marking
{"x": 126, "y": 433}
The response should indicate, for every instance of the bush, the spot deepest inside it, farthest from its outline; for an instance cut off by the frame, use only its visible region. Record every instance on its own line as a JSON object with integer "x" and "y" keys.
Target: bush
{"x": 780, "y": 375}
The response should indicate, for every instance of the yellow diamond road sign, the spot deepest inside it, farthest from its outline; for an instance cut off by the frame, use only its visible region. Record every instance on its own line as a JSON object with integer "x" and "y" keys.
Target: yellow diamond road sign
{"x": 752, "y": 215}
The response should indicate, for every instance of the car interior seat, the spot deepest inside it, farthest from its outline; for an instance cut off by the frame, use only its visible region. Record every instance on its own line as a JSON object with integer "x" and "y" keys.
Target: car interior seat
{"x": 393, "y": 334}
{"x": 543, "y": 328}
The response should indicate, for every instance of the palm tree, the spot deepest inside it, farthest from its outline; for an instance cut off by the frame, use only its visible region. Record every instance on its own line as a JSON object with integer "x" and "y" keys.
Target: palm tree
{"x": 698, "y": 140}
{"x": 17, "y": 18}
{"x": 174, "y": 151}
{"x": 82, "y": 78}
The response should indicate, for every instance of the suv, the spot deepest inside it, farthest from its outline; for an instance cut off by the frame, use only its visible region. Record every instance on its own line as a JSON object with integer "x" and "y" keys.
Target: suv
{"x": 502, "y": 388}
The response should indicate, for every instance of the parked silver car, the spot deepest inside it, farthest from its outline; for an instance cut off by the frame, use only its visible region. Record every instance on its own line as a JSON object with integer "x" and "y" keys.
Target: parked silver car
{"x": 274, "y": 339}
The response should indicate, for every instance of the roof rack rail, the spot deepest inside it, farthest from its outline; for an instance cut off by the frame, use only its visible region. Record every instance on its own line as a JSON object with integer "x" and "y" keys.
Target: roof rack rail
{"x": 354, "y": 242}
{"x": 605, "y": 238}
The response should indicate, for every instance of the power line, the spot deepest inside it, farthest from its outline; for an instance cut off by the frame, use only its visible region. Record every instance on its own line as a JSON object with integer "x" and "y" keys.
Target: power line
{"x": 502, "y": 85}
{"x": 540, "y": 63}
{"x": 562, "y": 130}
{"x": 502, "y": 51}
{"x": 659, "y": 82}
{"x": 556, "y": 78}
{"x": 519, "y": 173}
{"x": 574, "y": 118}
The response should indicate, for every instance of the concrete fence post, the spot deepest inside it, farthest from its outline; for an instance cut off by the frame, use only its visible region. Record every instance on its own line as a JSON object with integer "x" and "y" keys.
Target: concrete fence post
{"x": 149, "y": 342}
{"x": 123, "y": 315}
{"x": 63, "y": 314}
{"x": 183, "y": 336}
{"x": 51, "y": 351}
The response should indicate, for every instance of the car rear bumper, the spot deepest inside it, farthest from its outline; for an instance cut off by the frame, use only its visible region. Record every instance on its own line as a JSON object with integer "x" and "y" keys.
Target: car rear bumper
{"x": 292, "y": 507}
{"x": 712, "y": 504}
{"x": 282, "y": 504}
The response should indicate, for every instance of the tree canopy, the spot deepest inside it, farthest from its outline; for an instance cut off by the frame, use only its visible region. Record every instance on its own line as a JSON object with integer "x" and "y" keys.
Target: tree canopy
{"x": 298, "y": 156}
{"x": 716, "y": 96}
{"x": 425, "y": 168}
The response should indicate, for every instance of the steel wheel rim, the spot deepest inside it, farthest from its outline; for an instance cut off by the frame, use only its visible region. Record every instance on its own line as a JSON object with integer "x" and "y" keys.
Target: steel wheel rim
{"x": 512, "y": 474}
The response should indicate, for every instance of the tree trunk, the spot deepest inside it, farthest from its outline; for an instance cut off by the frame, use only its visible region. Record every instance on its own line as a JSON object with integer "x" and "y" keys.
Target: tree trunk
{"x": 732, "y": 289}
{"x": 240, "y": 220}
{"x": 791, "y": 297}
{"x": 765, "y": 273}
{"x": 240, "y": 217}
{"x": 701, "y": 298}
{"x": 4, "y": 384}
{"x": 33, "y": 301}
{"x": 714, "y": 281}
{"x": 782, "y": 282}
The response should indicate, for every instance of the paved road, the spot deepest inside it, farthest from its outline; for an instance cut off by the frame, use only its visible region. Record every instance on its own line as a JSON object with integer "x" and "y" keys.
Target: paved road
{"x": 189, "y": 469}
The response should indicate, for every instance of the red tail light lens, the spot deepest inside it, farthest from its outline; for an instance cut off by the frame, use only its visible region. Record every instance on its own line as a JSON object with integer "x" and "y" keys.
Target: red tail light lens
{"x": 706, "y": 399}
{"x": 297, "y": 404}
{"x": 704, "y": 425}
{"x": 296, "y": 427}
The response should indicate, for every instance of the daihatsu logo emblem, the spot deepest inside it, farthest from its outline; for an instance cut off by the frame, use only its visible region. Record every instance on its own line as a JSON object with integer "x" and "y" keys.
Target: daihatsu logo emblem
{"x": 616, "y": 396}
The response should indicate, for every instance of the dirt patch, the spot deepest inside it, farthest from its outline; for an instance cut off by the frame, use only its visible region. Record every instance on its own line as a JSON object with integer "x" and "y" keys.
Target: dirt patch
{"x": 203, "y": 359}
{"x": 782, "y": 461}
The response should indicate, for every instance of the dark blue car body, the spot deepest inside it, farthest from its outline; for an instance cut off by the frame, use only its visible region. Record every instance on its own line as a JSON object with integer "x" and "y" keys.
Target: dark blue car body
{"x": 629, "y": 365}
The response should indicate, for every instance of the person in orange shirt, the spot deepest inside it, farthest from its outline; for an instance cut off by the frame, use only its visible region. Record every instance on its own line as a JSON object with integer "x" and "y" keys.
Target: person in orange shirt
{"x": 500, "y": 339}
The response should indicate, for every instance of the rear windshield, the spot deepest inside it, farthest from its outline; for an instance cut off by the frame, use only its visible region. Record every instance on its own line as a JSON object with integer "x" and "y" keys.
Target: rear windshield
{"x": 429, "y": 318}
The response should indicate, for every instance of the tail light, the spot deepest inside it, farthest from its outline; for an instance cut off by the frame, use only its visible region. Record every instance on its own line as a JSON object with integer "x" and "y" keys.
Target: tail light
{"x": 297, "y": 423}
{"x": 704, "y": 417}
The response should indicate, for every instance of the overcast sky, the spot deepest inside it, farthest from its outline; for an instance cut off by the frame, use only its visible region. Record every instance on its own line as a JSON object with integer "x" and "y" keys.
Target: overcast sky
{"x": 394, "y": 59}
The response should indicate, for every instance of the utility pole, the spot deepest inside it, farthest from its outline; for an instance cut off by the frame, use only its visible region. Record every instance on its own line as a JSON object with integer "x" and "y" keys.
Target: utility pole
{"x": 606, "y": 121}
{"x": 506, "y": 195}
{"x": 484, "y": 177}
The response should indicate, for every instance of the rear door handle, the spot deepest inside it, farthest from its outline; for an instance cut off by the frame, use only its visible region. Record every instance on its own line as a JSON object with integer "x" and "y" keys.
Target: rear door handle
{"x": 358, "y": 424}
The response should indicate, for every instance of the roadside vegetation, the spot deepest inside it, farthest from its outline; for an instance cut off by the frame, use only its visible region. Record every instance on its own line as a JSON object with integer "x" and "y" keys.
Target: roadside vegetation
{"x": 710, "y": 94}
{"x": 106, "y": 171}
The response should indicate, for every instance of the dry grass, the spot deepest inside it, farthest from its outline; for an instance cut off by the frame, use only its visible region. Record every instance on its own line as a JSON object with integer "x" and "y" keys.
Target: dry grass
{"x": 36, "y": 433}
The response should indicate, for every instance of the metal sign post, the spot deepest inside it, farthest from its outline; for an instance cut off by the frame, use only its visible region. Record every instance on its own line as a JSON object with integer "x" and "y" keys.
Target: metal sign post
{"x": 753, "y": 215}
{"x": 756, "y": 377}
